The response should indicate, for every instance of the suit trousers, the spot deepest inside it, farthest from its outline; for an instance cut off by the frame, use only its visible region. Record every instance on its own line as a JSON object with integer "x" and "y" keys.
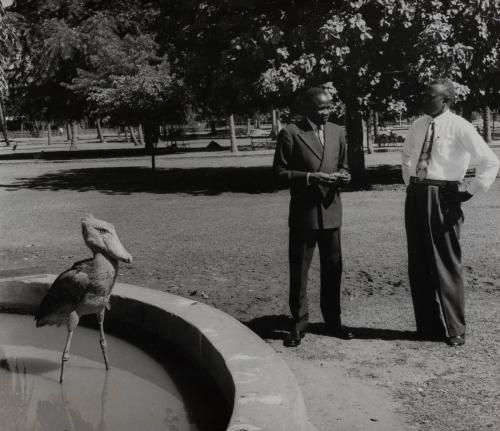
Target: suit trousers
{"x": 434, "y": 261}
{"x": 302, "y": 244}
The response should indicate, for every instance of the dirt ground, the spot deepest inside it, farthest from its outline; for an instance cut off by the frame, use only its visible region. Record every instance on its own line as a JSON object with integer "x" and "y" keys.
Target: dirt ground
{"x": 214, "y": 229}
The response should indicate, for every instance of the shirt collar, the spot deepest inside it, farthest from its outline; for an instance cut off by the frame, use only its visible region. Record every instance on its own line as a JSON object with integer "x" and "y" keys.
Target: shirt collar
{"x": 313, "y": 125}
{"x": 440, "y": 116}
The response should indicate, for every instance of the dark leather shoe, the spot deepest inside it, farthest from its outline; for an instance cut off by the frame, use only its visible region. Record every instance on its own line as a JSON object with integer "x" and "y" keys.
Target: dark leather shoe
{"x": 293, "y": 339}
{"x": 456, "y": 341}
{"x": 342, "y": 332}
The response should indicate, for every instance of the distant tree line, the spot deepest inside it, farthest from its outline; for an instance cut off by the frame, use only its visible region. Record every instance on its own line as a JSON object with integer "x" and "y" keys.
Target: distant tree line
{"x": 152, "y": 63}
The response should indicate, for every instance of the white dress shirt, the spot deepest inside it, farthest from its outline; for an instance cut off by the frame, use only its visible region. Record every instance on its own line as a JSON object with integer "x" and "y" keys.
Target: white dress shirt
{"x": 456, "y": 145}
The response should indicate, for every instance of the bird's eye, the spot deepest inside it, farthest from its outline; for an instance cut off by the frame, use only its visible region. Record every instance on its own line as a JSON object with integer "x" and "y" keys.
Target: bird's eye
{"x": 101, "y": 230}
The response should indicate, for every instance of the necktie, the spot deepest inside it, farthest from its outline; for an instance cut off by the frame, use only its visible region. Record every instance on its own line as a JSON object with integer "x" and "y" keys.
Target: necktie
{"x": 321, "y": 135}
{"x": 425, "y": 154}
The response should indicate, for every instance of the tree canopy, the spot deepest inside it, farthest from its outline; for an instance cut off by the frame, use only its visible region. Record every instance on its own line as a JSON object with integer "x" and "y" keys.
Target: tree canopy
{"x": 152, "y": 60}
{"x": 95, "y": 58}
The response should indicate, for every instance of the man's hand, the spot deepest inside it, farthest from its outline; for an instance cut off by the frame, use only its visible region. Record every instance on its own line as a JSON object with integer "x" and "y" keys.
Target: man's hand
{"x": 449, "y": 196}
{"x": 343, "y": 178}
{"x": 336, "y": 179}
{"x": 322, "y": 179}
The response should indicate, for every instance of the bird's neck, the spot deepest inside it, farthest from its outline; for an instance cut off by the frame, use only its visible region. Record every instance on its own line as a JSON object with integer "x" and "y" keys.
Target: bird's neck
{"x": 106, "y": 262}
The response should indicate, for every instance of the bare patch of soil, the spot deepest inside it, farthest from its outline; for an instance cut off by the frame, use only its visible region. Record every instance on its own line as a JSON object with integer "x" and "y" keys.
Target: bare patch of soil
{"x": 227, "y": 247}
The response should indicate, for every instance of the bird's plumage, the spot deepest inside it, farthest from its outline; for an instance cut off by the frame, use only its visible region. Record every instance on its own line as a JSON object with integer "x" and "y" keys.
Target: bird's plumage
{"x": 86, "y": 287}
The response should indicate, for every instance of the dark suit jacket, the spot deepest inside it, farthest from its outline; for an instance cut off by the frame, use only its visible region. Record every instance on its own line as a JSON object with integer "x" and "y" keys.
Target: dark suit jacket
{"x": 299, "y": 152}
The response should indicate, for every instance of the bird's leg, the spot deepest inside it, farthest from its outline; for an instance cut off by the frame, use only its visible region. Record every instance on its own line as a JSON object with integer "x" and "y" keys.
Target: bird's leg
{"x": 104, "y": 344}
{"x": 72, "y": 324}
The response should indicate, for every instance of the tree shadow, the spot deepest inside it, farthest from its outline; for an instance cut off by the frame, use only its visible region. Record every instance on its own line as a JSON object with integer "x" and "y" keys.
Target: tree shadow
{"x": 128, "y": 180}
{"x": 195, "y": 181}
{"x": 384, "y": 174}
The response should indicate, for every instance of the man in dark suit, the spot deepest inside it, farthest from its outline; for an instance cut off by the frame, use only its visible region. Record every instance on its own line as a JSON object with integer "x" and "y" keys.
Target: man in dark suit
{"x": 312, "y": 156}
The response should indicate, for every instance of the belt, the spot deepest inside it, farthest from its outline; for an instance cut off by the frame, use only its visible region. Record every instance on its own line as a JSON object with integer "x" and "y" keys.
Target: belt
{"x": 430, "y": 182}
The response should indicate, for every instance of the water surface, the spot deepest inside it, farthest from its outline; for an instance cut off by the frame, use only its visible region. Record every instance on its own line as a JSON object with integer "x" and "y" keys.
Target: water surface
{"x": 135, "y": 394}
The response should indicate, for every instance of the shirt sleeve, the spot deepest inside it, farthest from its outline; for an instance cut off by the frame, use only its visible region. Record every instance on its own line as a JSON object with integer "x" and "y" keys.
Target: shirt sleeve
{"x": 406, "y": 156}
{"x": 482, "y": 157}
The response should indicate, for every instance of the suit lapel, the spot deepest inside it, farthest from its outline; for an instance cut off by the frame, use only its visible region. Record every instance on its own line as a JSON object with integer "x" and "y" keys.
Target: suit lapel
{"x": 309, "y": 138}
{"x": 331, "y": 147}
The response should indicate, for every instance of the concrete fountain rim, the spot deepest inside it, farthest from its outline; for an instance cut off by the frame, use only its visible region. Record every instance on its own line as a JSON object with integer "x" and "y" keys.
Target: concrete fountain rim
{"x": 262, "y": 390}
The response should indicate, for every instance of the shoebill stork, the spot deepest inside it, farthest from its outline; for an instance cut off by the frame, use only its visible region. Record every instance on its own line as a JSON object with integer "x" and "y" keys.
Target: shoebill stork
{"x": 86, "y": 287}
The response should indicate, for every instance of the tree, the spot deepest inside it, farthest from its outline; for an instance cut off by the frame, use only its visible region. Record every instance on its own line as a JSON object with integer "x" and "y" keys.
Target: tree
{"x": 461, "y": 39}
{"x": 215, "y": 54}
{"x": 126, "y": 79}
{"x": 8, "y": 49}
{"x": 49, "y": 59}
{"x": 360, "y": 51}
{"x": 97, "y": 59}
{"x": 375, "y": 54}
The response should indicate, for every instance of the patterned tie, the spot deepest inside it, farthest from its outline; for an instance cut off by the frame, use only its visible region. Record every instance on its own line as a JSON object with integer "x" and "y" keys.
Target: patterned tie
{"x": 425, "y": 154}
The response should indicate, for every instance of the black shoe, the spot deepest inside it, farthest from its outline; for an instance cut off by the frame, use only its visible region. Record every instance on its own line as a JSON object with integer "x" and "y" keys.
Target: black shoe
{"x": 342, "y": 332}
{"x": 293, "y": 339}
{"x": 456, "y": 341}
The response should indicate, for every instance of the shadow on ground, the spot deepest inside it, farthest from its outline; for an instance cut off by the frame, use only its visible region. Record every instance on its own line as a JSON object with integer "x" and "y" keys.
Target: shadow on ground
{"x": 270, "y": 327}
{"x": 196, "y": 181}
{"x": 277, "y": 327}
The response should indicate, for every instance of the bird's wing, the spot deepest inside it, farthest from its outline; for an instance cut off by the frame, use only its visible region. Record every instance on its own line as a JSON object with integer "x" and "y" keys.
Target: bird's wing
{"x": 82, "y": 265}
{"x": 65, "y": 293}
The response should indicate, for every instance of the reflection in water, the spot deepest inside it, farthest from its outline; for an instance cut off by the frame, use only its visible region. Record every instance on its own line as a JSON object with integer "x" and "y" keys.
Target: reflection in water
{"x": 15, "y": 395}
{"x": 90, "y": 399}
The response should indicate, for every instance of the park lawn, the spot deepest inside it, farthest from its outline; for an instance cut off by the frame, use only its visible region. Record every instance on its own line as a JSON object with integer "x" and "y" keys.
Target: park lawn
{"x": 226, "y": 244}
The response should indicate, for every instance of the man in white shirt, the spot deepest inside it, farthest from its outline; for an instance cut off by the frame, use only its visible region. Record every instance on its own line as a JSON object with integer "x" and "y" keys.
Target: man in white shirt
{"x": 436, "y": 154}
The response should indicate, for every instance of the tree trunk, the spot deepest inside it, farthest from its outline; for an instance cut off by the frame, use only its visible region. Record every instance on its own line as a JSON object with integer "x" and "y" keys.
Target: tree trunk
{"x": 467, "y": 112}
{"x": 74, "y": 136}
{"x": 49, "y": 134}
{"x": 493, "y": 121}
{"x": 487, "y": 124}
{"x": 68, "y": 132}
{"x": 249, "y": 126}
{"x": 232, "y": 130}
{"x": 213, "y": 129}
{"x": 132, "y": 135}
{"x": 375, "y": 124}
{"x": 274, "y": 128}
{"x": 3, "y": 122}
{"x": 278, "y": 122}
{"x": 141, "y": 135}
{"x": 99, "y": 131}
{"x": 127, "y": 138}
{"x": 151, "y": 134}
{"x": 370, "y": 138}
{"x": 355, "y": 153}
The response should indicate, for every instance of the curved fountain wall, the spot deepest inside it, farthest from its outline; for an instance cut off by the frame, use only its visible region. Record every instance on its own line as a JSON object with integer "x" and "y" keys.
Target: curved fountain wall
{"x": 256, "y": 383}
